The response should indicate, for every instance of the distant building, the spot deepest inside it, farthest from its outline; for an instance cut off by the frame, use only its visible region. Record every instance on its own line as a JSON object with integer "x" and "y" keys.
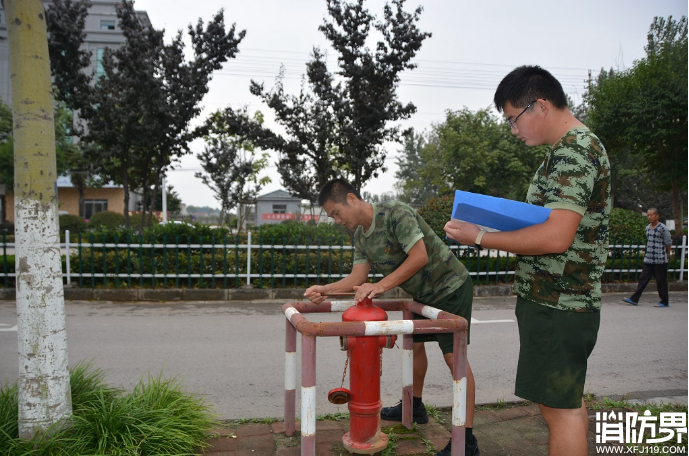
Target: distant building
{"x": 278, "y": 206}
{"x": 109, "y": 197}
{"x": 102, "y": 30}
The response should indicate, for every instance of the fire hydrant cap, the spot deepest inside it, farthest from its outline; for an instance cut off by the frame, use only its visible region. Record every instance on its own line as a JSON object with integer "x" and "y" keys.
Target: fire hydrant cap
{"x": 339, "y": 396}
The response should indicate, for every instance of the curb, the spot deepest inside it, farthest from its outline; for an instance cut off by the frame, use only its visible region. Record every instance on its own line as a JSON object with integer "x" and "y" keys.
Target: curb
{"x": 253, "y": 294}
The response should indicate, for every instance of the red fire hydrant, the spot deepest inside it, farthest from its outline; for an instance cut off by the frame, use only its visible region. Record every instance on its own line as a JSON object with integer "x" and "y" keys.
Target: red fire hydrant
{"x": 364, "y": 352}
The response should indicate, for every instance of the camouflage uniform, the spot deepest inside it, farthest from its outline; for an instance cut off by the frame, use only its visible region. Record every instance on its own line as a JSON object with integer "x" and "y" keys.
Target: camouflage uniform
{"x": 395, "y": 229}
{"x": 559, "y": 294}
{"x": 574, "y": 175}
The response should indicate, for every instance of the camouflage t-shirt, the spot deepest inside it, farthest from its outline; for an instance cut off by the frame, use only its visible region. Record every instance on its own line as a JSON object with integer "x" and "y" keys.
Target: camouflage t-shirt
{"x": 395, "y": 229}
{"x": 574, "y": 175}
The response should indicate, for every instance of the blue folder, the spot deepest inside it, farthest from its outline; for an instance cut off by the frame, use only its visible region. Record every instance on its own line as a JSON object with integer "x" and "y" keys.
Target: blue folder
{"x": 496, "y": 214}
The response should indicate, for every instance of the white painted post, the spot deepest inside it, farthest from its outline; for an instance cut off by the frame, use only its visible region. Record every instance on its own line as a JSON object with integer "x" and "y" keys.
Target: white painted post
{"x": 681, "y": 262}
{"x": 69, "y": 276}
{"x": 248, "y": 258}
{"x": 164, "y": 202}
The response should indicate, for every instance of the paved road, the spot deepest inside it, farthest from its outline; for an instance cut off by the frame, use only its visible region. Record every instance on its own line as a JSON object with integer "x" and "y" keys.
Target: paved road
{"x": 233, "y": 354}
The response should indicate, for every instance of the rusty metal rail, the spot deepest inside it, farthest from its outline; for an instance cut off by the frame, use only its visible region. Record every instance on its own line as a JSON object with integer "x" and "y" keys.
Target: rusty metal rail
{"x": 438, "y": 322}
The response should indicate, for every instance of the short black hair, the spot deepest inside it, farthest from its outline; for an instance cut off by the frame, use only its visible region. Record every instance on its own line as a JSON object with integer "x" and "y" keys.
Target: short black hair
{"x": 527, "y": 83}
{"x": 336, "y": 190}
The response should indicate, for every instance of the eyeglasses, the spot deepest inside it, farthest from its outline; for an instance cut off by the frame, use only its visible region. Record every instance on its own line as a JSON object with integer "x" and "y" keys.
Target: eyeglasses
{"x": 510, "y": 123}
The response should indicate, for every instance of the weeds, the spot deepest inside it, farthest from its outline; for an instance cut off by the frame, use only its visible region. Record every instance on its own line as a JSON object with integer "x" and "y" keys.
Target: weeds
{"x": 435, "y": 413}
{"x": 255, "y": 421}
{"x": 156, "y": 418}
{"x": 333, "y": 416}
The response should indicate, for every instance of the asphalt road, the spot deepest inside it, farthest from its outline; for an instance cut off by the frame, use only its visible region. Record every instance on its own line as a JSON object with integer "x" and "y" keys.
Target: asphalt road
{"x": 233, "y": 354}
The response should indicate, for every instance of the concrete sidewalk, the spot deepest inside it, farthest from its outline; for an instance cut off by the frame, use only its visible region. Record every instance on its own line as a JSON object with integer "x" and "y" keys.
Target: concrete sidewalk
{"x": 502, "y": 430}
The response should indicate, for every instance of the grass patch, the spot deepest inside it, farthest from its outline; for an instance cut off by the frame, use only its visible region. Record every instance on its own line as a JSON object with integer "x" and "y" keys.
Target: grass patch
{"x": 501, "y": 405}
{"x": 333, "y": 416}
{"x": 156, "y": 418}
{"x": 241, "y": 421}
{"x": 399, "y": 432}
{"x": 433, "y": 411}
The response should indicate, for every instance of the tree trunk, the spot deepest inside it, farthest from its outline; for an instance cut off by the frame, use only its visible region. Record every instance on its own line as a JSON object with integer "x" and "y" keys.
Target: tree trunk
{"x": 44, "y": 389}
{"x": 79, "y": 181}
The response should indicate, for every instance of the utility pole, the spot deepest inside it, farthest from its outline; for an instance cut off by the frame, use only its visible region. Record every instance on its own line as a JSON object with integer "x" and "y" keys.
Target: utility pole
{"x": 44, "y": 387}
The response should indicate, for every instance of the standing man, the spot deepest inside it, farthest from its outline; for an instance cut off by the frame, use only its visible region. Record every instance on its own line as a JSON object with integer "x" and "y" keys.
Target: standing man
{"x": 658, "y": 249}
{"x": 394, "y": 239}
{"x": 560, "y": 261}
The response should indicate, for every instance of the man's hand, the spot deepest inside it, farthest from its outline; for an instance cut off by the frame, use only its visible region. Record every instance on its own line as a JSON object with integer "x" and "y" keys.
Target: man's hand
{"x": 367, "y": 290}
{"x": 315, "y": 294}
{"x": 462, "y": 232}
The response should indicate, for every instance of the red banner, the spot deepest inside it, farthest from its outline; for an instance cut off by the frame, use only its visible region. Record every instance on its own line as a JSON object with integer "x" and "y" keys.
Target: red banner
{"x": 302, "y": 217}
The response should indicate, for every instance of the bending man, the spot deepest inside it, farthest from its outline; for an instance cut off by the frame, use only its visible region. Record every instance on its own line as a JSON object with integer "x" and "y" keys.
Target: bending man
{"x": 394, "y": 239}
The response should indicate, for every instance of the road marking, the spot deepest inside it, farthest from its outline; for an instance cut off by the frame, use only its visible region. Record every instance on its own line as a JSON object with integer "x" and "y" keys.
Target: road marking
{"x": 475, "y": 321}
{"x": 13, "y": 328}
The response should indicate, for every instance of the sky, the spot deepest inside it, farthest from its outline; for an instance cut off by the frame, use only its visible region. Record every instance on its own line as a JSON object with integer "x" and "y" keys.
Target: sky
{"x": 474, "y": 44}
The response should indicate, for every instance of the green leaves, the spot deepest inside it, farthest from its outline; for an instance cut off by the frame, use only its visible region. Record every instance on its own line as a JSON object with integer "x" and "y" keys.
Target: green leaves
{"x": 231, "y": 164}
{"x": 471, "y": 151}
{"x": 157, "y": 418}
{"x": 642, "y": 112}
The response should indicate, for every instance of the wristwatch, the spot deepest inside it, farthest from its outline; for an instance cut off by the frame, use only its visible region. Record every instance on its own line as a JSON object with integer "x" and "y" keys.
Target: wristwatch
{"x": 477, "y": 242}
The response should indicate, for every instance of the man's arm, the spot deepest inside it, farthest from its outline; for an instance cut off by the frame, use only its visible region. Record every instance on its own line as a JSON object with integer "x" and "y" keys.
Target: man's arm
{"x": 417, "y": 258}
{"x": 358, "y": 276}
{"x": 668, "y": 242}
{"x": 555, "y": 235}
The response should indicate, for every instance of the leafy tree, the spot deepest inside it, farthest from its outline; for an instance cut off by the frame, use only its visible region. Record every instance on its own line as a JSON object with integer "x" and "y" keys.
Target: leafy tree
{"x": 173, "y": 201}
{"x": 69, "y": 60}
{"x": 339, "y": 121}
{"x": 436, "y": 212}
{"x": 378, "y": 197}
{"x": 642, "y": 112}
{"x": 231, "y": 168}
{"x": 471, "y": 151}
{"x": 138, "y": 115}
{"x": 414, "y": 189}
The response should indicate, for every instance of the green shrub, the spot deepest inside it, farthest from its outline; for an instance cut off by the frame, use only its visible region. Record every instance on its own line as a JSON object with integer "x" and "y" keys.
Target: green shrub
{"x": 291, "y": 230}
{"x": 135, "y": 220}
{"x": 73, "y": 223}
{"x": 169, "y": 231}
{"x": 157, "y": 417}
{"x": 437, "y": 212}
{"x": 626, "y": 225}
{"x": 106, "y": 219}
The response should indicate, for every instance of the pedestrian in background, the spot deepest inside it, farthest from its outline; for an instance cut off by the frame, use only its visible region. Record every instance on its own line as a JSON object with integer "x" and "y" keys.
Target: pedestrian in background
{"x": 658, "y": 250}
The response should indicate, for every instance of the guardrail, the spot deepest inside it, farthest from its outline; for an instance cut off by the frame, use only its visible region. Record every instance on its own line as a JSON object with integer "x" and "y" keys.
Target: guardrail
{"x": 229, "y": 263}
{"x": 438, "y": 321}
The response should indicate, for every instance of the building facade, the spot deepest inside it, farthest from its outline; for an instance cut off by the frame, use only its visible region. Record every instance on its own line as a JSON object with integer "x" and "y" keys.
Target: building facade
{"x": 102, "y": 31}
{"x": 278, "y": 206}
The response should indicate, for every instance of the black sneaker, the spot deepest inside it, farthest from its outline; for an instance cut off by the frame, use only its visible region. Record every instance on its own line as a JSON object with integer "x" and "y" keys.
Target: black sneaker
{"x": 394, "y": 413}
{"x": 469, "y": 450}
